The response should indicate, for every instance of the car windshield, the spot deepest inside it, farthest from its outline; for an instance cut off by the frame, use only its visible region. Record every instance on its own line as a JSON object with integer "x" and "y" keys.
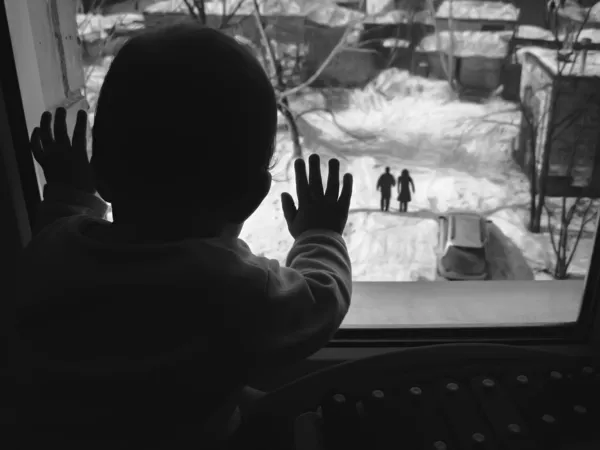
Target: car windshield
{"x": 464, "y": 260}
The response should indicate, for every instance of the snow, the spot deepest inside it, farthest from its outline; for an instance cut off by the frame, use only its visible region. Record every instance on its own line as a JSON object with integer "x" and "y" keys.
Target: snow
{"x": 574, "y": 68}
{"x": 533, "y": 32}
{"x": 96, "y": 26}
{"x": 457, "y": 161}
{"x": 400, "y": 16}
{"x": 478, "y": 10}
{"x": 266, "y": 7}
{"x": 467, "y": 43}
{"x": 394, "y": 118}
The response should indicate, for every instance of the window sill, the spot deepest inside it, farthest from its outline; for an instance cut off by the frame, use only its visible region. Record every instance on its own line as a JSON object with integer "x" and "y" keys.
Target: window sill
{"x": 464, "y": 304}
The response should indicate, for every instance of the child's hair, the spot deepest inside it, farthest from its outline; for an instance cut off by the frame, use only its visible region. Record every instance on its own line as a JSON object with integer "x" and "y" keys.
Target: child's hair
{"x": 186, "y": 115}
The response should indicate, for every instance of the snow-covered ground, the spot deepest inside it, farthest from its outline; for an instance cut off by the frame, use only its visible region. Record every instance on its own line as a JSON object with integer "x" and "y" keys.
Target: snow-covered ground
{"x": 457, "y": 153}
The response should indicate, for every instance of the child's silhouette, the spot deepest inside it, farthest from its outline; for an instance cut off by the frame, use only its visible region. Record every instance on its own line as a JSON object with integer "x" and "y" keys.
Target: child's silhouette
{"x": 144, "y": 331}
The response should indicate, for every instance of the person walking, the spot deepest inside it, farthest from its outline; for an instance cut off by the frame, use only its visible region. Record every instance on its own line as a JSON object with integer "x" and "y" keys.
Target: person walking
{"x": 404, "y": 183}
{"x": 384, "y": 184}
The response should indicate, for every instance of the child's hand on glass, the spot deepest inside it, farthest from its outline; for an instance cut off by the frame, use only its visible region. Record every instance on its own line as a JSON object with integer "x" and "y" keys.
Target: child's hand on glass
{"x": 317, "y": 209}
{"x": 63, "y": 160}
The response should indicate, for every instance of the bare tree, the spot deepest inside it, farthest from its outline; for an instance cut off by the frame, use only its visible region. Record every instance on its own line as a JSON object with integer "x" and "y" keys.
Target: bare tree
{"x": 540, "y": 125}
{"x": 567, "y": 229}
{"x": 446, "y": 60}
{"x": 283, "y": 63}
{"x": 543, "y": 128}
{"x": 197, "y": 10}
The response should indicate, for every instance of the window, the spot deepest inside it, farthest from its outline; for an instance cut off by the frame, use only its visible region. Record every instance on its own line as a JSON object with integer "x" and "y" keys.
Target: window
{"x": 455, "y": 145}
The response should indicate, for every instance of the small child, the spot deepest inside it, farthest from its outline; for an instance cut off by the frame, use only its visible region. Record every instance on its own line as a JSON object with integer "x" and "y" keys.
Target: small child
{"x": 141, "y": 333}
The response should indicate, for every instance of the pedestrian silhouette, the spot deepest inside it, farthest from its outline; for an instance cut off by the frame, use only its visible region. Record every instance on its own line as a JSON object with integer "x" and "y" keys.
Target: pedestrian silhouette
{"x": 385, "y": 184}
{"x": 404, "y": 197}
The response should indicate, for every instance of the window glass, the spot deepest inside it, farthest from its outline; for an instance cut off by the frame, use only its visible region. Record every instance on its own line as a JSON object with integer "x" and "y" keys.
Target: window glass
{"x": 481, "y": 118}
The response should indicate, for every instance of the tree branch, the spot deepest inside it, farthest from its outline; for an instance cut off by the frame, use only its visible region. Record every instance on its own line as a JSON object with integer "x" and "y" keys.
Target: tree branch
{"x": 337, "y": 124}
{"x": 191, "y": 9}
{"x": 339, "y": 46}
{"x": 550, "y": 230}
{"x": 580, "y": 232}
{"x": 267, "y": 44}
{"x": 226, "y": 17}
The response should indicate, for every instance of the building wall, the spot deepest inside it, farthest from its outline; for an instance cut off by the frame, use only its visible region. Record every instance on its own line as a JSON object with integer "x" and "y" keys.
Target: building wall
{"x": 568, "y": 133}
{"x": 281, "y": 28}
{"x": 535, "y": 94}
{"x": 480, "y": 72}
{"x": 473, "y": 72}
{"x": 437, "y": 63}
{"x": 351, "y": 67}
{"x": 575, "y": 133}
{"x": 474, "y": 25}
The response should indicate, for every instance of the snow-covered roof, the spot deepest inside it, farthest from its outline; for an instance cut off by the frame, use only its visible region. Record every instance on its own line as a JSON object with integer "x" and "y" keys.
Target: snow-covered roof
{"x": 380, "y": 6}
{"x": 573, "y": 10}
{"x": 267, "y": 7}
{"x": 595, "y": 13}
{"x": 468, "y": 43}
{"x": 399, "y": 16}
{"x": 478, "y": 10}
{"x": 590, "y": 33}
{"x": 334, "y": 15}
{"x": 533, "y": 32}
{"x": 95, "y": 26}
{"x": 548, "y": 57}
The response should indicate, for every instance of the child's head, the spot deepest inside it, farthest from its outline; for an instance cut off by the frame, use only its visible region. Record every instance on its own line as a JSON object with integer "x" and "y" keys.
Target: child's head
{"x": 186, "y": 117}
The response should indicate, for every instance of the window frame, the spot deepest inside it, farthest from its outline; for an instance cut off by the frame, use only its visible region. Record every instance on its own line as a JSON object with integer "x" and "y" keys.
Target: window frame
{"x": 585, "y": 331}
{"x": 22, "y": 176}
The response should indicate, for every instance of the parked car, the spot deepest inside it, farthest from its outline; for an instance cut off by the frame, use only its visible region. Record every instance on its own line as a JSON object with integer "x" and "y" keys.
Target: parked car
{"x": 462, "y": 243}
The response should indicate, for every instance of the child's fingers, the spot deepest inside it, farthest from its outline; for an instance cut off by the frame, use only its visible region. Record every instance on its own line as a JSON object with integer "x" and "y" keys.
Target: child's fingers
{"x": 46, "y": 131}
{"x": 333, "y": 180}
{"x": 301, "y": 182}
{"x": 315, "y": 181}
{"x": 61, "y": 135}
{"x": 288, "y": 206}
{"x": 36, "y": 146}
{"x": 80, "y": 131}
{"x": 346, "y": 194}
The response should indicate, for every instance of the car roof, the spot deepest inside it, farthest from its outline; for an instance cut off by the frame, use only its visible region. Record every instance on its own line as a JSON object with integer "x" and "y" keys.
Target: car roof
{"x": 465, "y": 230}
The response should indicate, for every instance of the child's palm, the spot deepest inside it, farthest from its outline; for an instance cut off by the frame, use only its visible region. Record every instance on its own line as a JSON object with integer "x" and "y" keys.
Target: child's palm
{"x": 63, "y": 160}
{"x": 317, "y": 209}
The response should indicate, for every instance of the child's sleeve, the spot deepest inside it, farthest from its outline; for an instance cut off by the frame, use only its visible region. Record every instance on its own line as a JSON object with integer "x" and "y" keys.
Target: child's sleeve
{"x": 306, "y": 301}
{"x": 64, "y": 201}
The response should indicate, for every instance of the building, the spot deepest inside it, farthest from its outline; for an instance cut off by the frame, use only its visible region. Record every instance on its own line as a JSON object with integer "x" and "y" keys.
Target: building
{"x": 531, "y": 36}
{"x": 573, "y": 15}
{"x": 473, "y": 15}
{"x": 564, "y": 110}
{"x": 478, "y": 57}
{"x": 353, "y": 65}
{"x": 395, "y": 35}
